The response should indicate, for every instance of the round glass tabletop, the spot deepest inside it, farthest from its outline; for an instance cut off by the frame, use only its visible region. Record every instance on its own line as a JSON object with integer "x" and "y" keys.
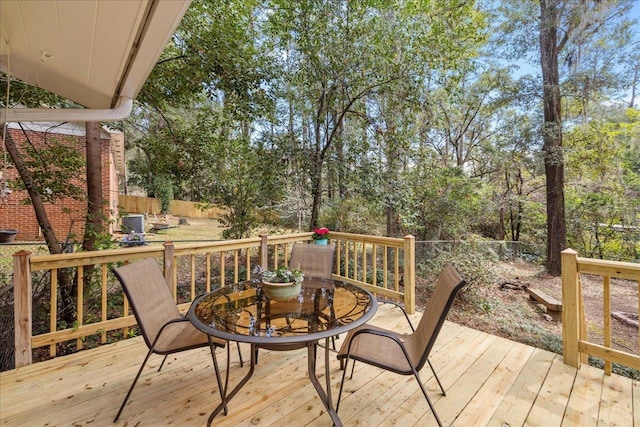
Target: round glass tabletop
{"x": 242, "y": 312}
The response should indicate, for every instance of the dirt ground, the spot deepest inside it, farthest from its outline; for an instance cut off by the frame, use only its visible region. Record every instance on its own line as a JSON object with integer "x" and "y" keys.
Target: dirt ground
{"x": 513, "y": 300}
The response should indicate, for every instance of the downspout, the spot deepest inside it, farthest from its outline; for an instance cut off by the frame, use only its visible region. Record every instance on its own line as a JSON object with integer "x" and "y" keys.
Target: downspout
{"x": 120, "y": 112}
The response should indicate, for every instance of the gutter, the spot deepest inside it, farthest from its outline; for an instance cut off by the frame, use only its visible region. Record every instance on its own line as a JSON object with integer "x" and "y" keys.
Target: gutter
{"x": 120, "y": 112}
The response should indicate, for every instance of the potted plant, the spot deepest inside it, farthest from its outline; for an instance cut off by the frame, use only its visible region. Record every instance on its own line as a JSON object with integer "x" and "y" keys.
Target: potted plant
{"x": 281, "y": 284}
{"x": 320, "y": 235}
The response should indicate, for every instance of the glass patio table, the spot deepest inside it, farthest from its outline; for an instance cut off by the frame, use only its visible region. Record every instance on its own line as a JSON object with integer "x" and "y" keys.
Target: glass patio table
{"x": 242, "y": 312}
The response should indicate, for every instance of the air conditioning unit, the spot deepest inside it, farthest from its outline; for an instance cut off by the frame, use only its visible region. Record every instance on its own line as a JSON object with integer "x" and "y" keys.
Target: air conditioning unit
{"x": 133, "y": 223}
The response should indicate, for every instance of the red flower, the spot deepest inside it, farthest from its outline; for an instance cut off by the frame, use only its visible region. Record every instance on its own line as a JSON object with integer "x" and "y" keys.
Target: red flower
{"x": 320, "y": 233}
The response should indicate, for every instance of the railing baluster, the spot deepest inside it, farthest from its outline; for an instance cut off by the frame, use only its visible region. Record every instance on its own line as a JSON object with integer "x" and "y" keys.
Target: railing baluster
{"x": 103, "y": 300}
{"x": 80, "y": 303}
{"x": 374, "y": 264}
{"x": 606, "y": 284}
{"x": 396, "y": 270}
{"x": 364, "y": 262}
{"x": 53, "y": 310}
{"x": 235, "y": 266}
{"x": 223, "y": 272}
{"x": 248, "y": 264}
{"x": 208, "y": 272}
{"x": 385, "y": 262}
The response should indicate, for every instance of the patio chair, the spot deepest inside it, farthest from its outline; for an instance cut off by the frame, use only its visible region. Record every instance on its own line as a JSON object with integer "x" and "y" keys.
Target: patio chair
{"x": 404, "y": 354}
{"x": 313, "y": 260}
{"x": 164, "y": 329}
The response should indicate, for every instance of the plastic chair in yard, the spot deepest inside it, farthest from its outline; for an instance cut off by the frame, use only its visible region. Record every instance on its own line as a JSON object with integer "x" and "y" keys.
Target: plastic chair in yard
{"x": 404, "y": 354}
{"x": 164, "y": 329}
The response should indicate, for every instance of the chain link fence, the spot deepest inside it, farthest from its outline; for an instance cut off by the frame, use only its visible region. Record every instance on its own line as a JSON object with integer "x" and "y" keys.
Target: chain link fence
{"x": 7, "y": 340}
{"x": 495, "y": 249}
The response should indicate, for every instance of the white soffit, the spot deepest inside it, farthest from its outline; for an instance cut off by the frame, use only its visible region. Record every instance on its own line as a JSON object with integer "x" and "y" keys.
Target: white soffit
{"x": 89, "y": 51}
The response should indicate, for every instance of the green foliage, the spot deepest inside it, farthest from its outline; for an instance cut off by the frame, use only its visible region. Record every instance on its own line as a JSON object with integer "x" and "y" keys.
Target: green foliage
{"x": 443, "y": 205}
{"x": 57, "y": 167}
{"x": 353, "y": 215}
{"x": 603, "y": 212}
{"x": 163, "y": 190}
{"x": 474, "y": 266}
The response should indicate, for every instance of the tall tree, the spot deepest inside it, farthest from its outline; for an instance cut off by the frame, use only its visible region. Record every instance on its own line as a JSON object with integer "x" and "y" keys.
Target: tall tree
{"x": 346, "y": 57}
{"x": 565, "y": 29}
{"x": 552, "y": 131}
{"x": 94, "y": 224}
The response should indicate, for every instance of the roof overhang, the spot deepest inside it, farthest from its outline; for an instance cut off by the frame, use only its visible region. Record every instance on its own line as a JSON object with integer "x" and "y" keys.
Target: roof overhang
{"x": 97, "y": 53}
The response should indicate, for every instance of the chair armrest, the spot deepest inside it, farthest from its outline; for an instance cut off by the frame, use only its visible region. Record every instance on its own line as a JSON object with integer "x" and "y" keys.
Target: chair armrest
{"x": 381, "y": 333}
{"x": 401, "y": 307}
{"x": 176, "y": 320}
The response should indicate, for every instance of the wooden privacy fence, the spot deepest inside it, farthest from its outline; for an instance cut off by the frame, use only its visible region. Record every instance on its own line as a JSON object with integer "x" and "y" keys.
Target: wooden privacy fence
{"x": 149, "y": 205}
{"x": 576, "y": 343}
{"x": 384, "y": 266}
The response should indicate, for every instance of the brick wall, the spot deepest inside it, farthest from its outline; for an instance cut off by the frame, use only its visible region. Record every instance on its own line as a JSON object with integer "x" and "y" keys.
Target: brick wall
{"x": 67, "y": 215}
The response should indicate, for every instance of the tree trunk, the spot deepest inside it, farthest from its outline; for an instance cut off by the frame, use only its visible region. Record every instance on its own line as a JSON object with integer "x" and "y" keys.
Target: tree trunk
{"x": 552, "y": 135}
{"x": 94, "y": 220}
{"x": 36, "y": 200}
{"x": 66, "y": 285}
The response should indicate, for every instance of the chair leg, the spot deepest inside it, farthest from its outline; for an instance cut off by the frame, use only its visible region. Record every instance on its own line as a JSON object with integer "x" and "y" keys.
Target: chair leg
{"x": 239, "y": 355}
{"x": 424, "y": 391}
{"x": 163, "y": 360}
{"x": 344, "y": 374}
{"x": 124, "y": 402}
{"x": 216, "y": 367}
{"x": 436, "y": 377}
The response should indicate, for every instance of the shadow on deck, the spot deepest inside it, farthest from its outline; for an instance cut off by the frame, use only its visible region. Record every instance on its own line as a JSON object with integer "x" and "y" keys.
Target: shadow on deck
{"x": 489, "y": 381}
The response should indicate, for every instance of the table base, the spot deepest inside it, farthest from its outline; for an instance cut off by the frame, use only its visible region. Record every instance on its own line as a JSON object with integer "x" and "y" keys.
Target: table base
{"x": 312, "y": 350}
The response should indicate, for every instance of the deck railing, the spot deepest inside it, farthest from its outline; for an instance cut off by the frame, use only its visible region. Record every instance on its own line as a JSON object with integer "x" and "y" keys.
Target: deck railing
{"x": 576, "y": 344}
{"x": 385, "y": 266}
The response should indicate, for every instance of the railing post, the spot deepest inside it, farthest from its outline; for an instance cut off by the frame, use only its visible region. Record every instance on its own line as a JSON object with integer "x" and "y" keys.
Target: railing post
{"x": 570, "y": 308}
{"x": 168, "y": 267}
{"x": 409, "y": 273}
{"x": 22, "y": 308}
{"x": 264, "y": 251}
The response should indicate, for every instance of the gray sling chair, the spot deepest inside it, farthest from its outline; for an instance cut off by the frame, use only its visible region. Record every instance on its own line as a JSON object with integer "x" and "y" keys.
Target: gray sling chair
{"x": 164, "y": 329}
{"x": 404, "y": 354}
{"x": 315, "y": 261}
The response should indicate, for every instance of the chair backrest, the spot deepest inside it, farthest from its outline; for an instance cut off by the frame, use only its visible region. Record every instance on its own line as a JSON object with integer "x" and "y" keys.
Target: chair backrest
{"x": 149, "y": 295}
{"x": 313, "y": 260}
{"x": 448, "y": 285}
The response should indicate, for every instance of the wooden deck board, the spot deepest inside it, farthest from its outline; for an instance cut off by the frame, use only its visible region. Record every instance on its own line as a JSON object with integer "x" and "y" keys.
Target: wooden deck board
{"x": 584, "y": 402}
{"x": 514, "y": 408}
{"x": 613, "y": 410}
{"x": 489, "y": 381}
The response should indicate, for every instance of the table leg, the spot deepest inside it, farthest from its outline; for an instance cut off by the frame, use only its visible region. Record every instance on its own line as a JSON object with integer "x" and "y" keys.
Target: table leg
{"x": 227, "y": 397}
{"x": 325, "y": 397}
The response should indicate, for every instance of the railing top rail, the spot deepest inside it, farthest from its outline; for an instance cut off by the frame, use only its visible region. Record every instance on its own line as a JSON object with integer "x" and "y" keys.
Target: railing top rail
{"x": 289, "y": 238}
{"x": 47, "y": 262}
{"x": 388, "y": 241}
{"x": 221, "y": 245}
{"x": 618, "y": 269}
{"x": 74, "y": 259}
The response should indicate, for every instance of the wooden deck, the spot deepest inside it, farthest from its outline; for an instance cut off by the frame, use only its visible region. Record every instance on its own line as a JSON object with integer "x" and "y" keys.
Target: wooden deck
{"x": 489, "y": 381}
